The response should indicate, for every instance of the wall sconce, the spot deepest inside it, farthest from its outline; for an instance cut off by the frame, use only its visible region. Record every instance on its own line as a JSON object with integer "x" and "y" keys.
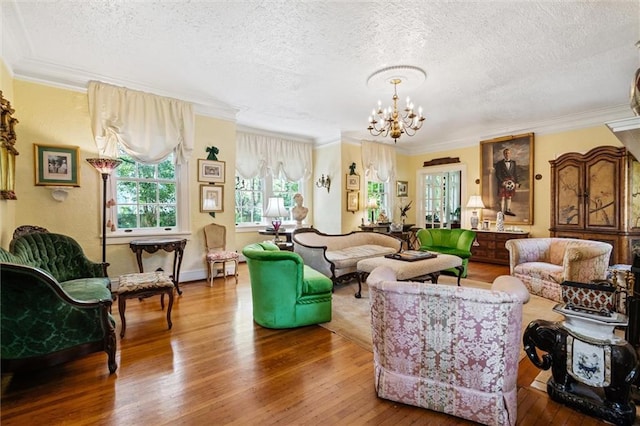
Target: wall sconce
{"x": 324, "y": 182}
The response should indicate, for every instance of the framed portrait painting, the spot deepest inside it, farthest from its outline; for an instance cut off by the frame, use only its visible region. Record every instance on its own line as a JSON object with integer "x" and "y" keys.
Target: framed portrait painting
{"x": 506, "y": 184}
{"x": 211, "y": 198}
{"x": 211, "y": 171}
{"x": 353, "y": 201}
{"x": 57, "y": 165}
{"x": 402, "y": 188}
{"x": 353, "y": 182}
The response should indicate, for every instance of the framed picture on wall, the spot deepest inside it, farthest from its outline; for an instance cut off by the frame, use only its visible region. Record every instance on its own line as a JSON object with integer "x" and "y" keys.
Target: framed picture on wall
{"x": 57, "y": 165}
{"x": 211, "y": 198}
{"x": 402, "y": 188}
{"x": 353, "y": 201}
{"x": 506, "y": 184}
{"x": 211, "y": 171}
{"x": 353, "y": 182}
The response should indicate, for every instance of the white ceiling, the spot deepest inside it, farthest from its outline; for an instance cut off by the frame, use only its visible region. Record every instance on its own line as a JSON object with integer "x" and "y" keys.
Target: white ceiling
{"x": 300, "y": 68}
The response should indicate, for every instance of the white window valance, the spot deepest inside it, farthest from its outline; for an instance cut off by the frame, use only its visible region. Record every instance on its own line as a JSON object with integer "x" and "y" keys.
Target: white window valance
{"x": 379, "y": 161}
{"x": 148, "y": 127}
{"x": 261, "y": 155}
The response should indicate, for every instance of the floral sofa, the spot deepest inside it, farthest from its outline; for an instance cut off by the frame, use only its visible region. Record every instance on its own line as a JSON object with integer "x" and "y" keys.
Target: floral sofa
{"x": 543, "y": 264}
{"x": 337, "y": 255}
{"x": 54, "y": 304}
{"x": 447, "y": 348}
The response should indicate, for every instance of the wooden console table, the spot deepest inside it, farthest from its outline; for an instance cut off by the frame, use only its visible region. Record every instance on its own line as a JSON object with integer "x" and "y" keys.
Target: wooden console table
{"x": 175, "y": 245}
{"x": 488, "y": 246}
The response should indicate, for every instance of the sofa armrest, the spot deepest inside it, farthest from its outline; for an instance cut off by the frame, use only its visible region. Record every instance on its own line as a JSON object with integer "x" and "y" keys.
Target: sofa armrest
{"x": 315, "y": 257}
{"x": 586, "y": 263}
{"x": 525, "y": 250}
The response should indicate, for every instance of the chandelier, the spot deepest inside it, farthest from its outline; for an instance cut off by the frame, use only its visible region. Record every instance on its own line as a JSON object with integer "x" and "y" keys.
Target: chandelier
{"x": 390, "y": 121}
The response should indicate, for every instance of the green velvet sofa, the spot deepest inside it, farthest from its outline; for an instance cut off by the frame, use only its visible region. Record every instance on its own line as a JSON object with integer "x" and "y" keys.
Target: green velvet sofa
{"x": 448, "y": 241}
{"x": 286, "y": 293}
{"x": 55, "y": 304}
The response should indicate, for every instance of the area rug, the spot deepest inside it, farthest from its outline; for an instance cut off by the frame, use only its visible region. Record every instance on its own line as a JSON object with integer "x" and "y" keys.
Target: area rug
{"x": 351, "y": 316}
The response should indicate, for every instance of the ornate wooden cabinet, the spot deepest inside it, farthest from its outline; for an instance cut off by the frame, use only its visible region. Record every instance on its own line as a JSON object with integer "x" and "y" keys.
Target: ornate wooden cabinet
{"x": 489, "y": 246}
{"x": 596, "y": 196}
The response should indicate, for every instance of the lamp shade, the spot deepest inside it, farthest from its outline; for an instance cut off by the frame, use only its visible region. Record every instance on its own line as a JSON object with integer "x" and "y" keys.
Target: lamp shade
{"x": 275, "y": 208}
{"x": 104, "y": 165}
{"x": 475, "y": 202}
{"x": 373, "y": 204}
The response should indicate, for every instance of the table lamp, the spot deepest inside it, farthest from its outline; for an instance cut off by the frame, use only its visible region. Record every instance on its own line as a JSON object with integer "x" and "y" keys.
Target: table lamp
{"x": 276, "y": 210}
{"x": 475, "y": 202}
{"x": 372, "y": 205}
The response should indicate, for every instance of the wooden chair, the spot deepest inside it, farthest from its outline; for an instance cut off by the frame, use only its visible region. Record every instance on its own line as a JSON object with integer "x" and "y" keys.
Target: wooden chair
{"x": 216, "y": 240}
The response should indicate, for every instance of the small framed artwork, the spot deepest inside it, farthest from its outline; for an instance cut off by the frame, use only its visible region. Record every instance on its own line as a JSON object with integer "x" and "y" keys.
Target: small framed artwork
{"x": 57, "y": 165}
{"x": 211, "y": 198}
{"x": 402, "y": 188}
{"x": 353, "y": 201}
{"x": 211, "y": 171}
{"x": 353, "y": 182}
{"x": 507, "y": 178}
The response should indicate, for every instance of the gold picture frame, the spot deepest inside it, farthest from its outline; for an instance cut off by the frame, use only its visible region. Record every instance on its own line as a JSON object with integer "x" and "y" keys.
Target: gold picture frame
{"x": 57, "y": 165}
{"x": 211, "y": 171}
{"x": 518, "y": 195}
{"x": 353, "y": 201}
{"x": 211, "y": 198}
{"x": 353, "y": 182}
{"x": 402, "y": 188}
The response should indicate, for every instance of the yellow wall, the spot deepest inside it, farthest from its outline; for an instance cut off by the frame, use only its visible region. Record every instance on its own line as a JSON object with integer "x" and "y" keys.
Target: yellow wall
{"x": 327, "y": 206}
{"x": 54, "y": 116}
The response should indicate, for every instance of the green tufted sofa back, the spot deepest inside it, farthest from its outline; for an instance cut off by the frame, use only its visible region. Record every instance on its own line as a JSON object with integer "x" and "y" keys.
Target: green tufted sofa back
{"x": 58, "y": 254}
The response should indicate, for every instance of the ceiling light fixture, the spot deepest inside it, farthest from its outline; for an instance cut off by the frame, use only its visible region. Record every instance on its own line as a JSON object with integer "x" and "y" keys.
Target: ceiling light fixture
{"x": 390, "y": 121}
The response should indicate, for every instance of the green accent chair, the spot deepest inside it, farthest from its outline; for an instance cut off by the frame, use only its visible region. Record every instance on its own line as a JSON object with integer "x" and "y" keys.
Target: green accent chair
{"x": 43, "y": 324}
{"x": 286, "y": 293}
{"x": 448, "y": 241}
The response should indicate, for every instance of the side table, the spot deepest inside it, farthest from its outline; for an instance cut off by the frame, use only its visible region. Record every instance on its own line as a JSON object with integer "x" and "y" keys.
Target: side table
{"x": 176, "y": 245}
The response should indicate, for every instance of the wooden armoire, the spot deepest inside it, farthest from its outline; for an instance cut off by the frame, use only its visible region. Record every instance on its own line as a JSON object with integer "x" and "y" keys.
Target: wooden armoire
{"x": 596, "y": 196}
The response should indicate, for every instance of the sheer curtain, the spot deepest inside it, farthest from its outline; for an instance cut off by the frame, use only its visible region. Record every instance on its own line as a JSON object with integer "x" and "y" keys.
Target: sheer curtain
{"x": 148, "y": 127}
{"x": 379, "y": 163}
{"x": 261, "y": 155}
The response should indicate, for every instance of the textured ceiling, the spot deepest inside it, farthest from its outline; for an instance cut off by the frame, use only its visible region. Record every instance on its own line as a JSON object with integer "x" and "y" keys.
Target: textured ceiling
{"x": 300, "y": 68}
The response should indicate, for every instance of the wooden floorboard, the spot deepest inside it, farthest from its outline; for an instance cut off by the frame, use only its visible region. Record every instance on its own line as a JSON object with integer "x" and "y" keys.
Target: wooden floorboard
{"x": 216, "y": 366}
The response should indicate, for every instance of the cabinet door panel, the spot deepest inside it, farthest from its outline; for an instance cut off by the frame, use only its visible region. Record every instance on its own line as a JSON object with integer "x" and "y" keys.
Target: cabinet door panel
{"x": 602, "y": 178}
{"x": 570, "y": 191}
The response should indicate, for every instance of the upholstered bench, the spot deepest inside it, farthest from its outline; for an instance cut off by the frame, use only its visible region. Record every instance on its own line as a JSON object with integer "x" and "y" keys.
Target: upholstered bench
{"x": 144, "y": 285}
{"x": 418, "y": 270}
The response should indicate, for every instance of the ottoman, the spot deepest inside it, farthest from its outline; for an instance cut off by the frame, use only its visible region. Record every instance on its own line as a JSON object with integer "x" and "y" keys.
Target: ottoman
{"x": 142, "y": 285}
{"x": 418, "y": 270}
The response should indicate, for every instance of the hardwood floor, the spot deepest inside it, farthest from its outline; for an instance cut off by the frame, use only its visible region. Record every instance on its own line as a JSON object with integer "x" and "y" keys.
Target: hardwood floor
{"x": 217, "y": 367}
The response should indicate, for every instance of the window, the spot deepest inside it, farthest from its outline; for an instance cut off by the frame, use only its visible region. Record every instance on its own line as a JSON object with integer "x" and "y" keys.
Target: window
{"x": 252, "y": 196}
{"x": 148, "y": 197}
{"x": 439, "y": 197}
{"x": 378, "y": 191}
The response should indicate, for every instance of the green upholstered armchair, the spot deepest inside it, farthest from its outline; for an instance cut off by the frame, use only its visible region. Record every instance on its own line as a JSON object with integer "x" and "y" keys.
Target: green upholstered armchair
{"x": 448, "y": 241}
{"x": 286, "y": 293}
{"x": 43, "y": 324}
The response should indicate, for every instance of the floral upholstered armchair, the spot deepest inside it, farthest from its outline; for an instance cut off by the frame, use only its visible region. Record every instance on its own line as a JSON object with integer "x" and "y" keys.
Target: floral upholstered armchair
{"x": 446, "y": 348}
{"x": 543, "y": 264}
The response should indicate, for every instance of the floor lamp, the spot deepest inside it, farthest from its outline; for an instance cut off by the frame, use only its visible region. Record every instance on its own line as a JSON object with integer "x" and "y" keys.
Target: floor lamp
{"x": 105, "y": 166}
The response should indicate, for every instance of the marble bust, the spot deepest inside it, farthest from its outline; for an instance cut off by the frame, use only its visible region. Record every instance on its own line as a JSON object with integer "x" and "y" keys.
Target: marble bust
{"x": 298, "y": 211}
